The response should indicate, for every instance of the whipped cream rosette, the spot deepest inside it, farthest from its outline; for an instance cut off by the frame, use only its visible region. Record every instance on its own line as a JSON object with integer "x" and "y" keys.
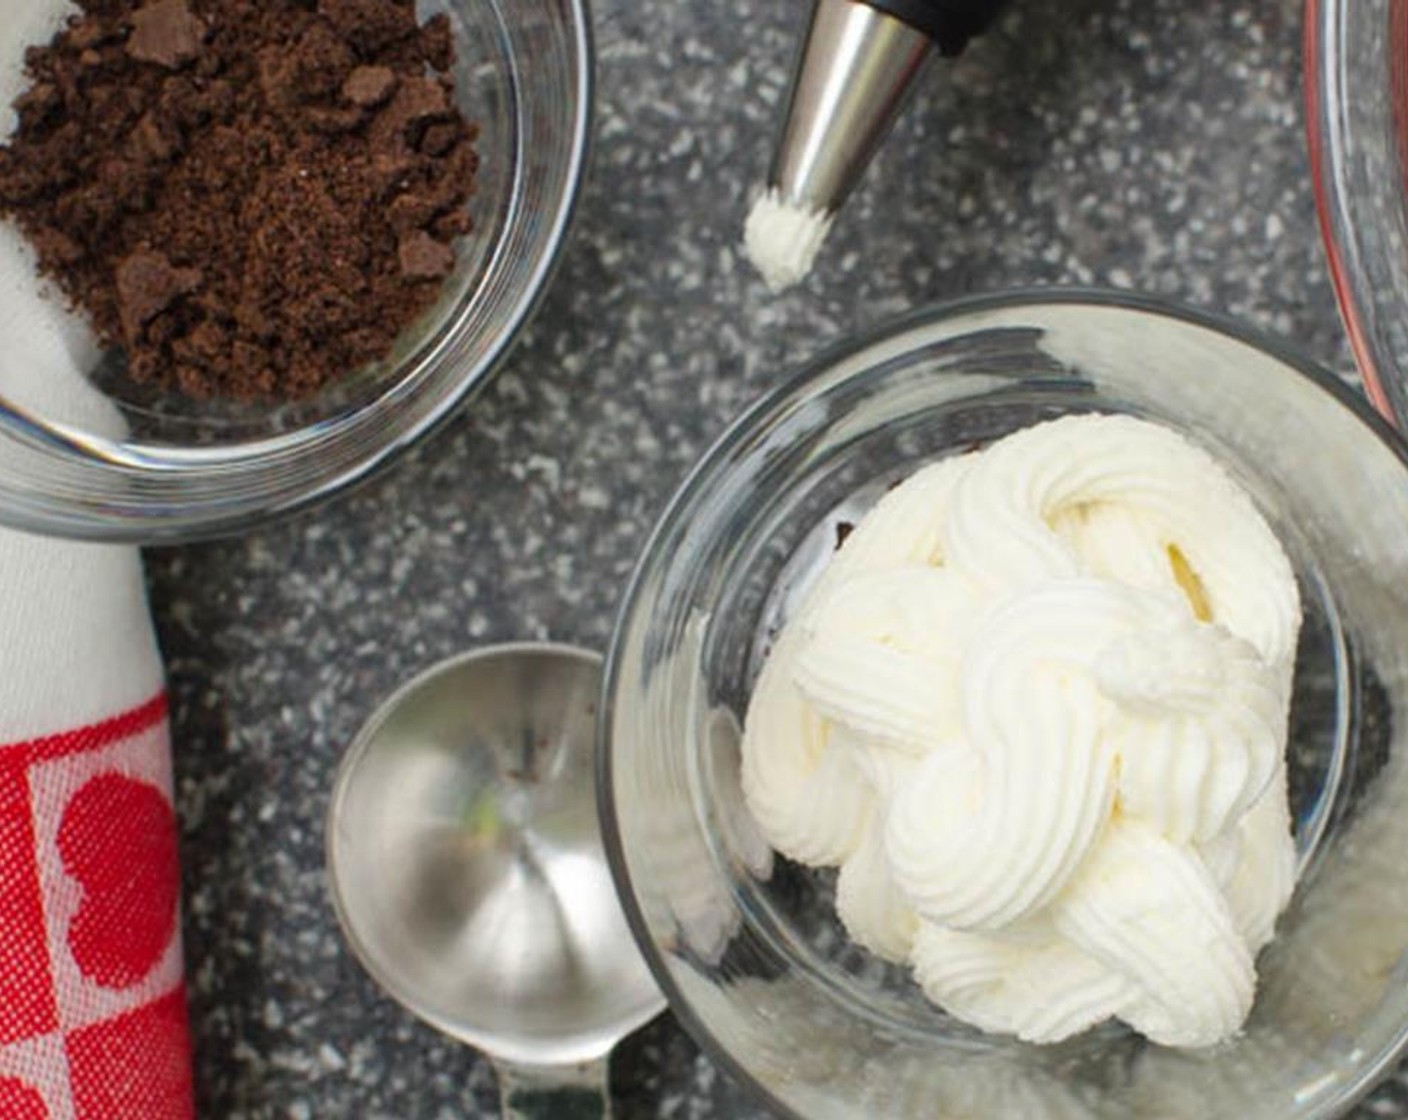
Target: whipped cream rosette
{"x": 1035, "y": 711}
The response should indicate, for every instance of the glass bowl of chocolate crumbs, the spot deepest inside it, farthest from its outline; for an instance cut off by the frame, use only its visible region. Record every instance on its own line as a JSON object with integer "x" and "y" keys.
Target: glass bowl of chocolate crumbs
{"x": 250, "y": 249}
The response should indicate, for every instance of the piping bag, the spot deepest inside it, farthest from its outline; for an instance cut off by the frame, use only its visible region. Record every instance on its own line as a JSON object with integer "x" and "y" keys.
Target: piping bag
{"x": 857, "y": 64}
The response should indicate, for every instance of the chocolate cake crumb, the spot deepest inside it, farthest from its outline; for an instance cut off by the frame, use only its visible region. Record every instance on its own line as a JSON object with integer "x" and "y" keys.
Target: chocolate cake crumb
{"x": 370, "y": 26}
{"x": 89, "y": 32}
{"x": 843, "y": 531}
{"x": 410, "y": 212}
{"x": 439, "y": 139}
{"x": 369, "y": 86}
{"x": 437, "y": 43}
{"x": 417, "y": 101}
{"x": 148, "y": 284}
{"x": 424, "y": 258}
{"x": 166, "y": 32}
{"x": 251, "y": 199}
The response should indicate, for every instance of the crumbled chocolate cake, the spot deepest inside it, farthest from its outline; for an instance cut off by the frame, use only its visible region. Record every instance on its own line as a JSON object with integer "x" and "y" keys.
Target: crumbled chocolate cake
{"x": 250, "y": 197}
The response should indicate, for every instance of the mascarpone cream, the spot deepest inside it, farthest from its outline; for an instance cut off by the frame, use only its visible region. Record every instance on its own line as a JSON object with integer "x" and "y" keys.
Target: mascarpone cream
{"x": 1035, "y": 711}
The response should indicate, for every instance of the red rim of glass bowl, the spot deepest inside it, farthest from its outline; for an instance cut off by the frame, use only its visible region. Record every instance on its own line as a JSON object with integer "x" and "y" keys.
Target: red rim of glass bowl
{"x": 1331, "y": 208}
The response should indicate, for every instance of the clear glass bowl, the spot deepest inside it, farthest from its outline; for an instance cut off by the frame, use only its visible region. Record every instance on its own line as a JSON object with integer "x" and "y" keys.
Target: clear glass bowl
{"x": 85, "y": 453}
{"x": 746, "y": 943}
{"x": 1356, "y": 88}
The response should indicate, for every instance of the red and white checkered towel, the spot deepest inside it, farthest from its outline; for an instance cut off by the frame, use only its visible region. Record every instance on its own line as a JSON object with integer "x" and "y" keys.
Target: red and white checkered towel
{"x": 92, "y": 1002}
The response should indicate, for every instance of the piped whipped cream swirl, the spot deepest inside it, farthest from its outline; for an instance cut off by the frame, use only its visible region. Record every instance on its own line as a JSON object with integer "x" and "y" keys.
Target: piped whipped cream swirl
{"x": 1035, "y": 711}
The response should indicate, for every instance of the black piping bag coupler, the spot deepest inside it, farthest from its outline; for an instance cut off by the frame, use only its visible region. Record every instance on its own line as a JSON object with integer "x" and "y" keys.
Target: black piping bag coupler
{"x": 857, "y": 64}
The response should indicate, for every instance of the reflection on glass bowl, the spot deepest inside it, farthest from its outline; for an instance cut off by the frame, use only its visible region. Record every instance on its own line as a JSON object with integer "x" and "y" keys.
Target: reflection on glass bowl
{"x": 747, "y": 944}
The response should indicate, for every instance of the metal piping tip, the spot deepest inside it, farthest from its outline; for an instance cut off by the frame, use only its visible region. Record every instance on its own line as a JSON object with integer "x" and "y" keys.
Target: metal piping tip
{"x": 856, "y": 67}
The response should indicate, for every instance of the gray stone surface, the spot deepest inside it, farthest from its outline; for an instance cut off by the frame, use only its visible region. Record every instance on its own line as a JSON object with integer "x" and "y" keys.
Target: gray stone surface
{"x": 1152, "y": 144}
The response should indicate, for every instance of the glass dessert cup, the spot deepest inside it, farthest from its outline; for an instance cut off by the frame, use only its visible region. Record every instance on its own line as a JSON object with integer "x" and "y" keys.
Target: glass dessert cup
{"x": 85, "y": 452}
{"x": 747, "y": 945}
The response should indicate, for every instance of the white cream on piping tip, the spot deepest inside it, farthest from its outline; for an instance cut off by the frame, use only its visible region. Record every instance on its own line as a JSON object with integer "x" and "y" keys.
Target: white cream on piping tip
{"x": 1035, "y": 709}
{"x": 782, "y": 238}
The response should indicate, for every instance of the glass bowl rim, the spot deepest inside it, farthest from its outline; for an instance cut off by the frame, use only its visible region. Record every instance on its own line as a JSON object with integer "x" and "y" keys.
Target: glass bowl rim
{"x": 1326, "y": 139}
{"x": 793, "y": 389}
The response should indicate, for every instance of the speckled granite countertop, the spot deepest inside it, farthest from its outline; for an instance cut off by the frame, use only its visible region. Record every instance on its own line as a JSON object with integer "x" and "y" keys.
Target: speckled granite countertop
{"x": 1153, "y": 144}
